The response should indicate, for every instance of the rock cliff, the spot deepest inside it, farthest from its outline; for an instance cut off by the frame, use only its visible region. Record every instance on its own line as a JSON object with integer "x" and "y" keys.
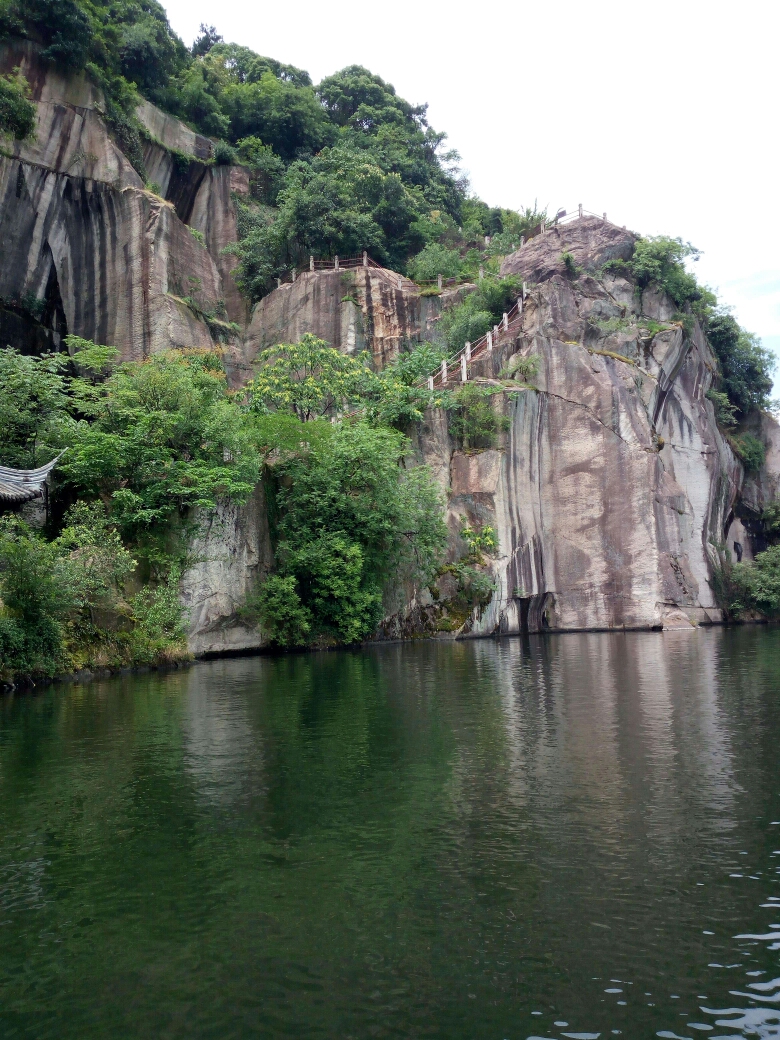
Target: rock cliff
{"x": 86, "y": 249}
{"x": 614, "y": 484}
{"x": 612, "y": 487}
{"x": 354, "y": 310}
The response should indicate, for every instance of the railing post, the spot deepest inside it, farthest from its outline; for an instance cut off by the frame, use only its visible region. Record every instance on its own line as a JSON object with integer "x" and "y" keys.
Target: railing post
{"x": 444, "y": 372}
{"x": 293, "y": 274}
{"x": 335, "y": 263}
{"x": 481, "y": 272}
{"x": 438, "y": 281}
{"x": 605, "y": 216}
{"x": 463, "y": 373}
{"x": 468, "y": 351}
{"x": 430, "y": 382}
{"x": 487, "y": 241}
{"x": 579, "y": 210}
{"x": 506, "y": 321}
{"x": 525, "y": 290}
{"x": 365, "y": 258}
{"x": 541, "y": 227}
{"x": 311, "y": 263}
{"x": 490, "y": 342}
{"x": 519, "y": 304}
{"x": 400, "y": 282}
{"x": 278, "y": 283}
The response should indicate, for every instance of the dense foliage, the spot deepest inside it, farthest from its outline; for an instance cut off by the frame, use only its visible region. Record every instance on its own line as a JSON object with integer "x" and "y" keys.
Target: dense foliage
{"x": 17, "y": 113}
{"x": 473, "y": 420}
{"x": 746, "y": 589}
{"x": 146, "y": 443}
{"x": 746, "y": 366}
{"x": 349, "y": 516}
{"x": 336, "y": 168}
{"x": 149, "y": 443}
{"x": 479, "y": 311}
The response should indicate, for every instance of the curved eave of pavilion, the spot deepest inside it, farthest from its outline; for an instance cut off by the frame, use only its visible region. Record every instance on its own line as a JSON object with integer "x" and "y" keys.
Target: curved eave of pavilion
{"x": 23, "y": 485}
{"x": 12, "y": 492}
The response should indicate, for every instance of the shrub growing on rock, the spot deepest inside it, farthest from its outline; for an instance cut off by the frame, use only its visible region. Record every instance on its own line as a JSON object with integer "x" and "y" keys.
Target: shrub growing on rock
{"x": 352, "y": 523}
{"x": 434, "y": 260}
{"x": 17, "y": 113}
{"x": 473, "y": 420}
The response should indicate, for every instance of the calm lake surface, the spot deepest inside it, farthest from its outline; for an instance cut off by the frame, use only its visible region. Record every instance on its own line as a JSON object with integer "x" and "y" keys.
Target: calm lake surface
{"x": 572, "y": 836}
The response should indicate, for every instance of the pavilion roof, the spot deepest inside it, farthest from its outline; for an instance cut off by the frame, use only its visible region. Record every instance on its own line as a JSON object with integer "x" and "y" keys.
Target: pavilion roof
{"x": 23, "y": 485}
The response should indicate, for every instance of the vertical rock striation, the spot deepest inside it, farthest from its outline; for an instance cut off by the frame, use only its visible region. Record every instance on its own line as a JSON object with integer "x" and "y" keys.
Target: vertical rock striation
{"x": 614, "y": 485}
{"x": 86, "y": 249}
{"x": 353, "y": 310}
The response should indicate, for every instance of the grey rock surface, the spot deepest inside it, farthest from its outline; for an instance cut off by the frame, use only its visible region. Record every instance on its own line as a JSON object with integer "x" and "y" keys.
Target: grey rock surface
{"x": 353, "y": 310}
{"x": 231, "y": 552}
{"x": 112, "y": 261}
{"x": 613, "y": 487}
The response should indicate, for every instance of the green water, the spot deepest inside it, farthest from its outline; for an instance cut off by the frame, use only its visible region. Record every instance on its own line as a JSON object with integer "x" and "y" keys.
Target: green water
{"x": 570, "y": 836}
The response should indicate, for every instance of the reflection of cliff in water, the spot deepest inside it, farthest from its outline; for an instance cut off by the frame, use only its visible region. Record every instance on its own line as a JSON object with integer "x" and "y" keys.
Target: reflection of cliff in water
{"x": 223, "y": 750}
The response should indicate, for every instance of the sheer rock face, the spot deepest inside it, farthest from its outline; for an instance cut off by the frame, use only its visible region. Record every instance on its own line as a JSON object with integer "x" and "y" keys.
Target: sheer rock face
{"x": 608, "y": 493}
{"x": 232, "y": 553}
{"x": 613, "y": 481}
{"x": 353, "y": 310}
{"x": 71, "y": 137}
{"x": 106, "y": 259}
{"x": 116, "y": 262}
{"x": 213, "y": 214}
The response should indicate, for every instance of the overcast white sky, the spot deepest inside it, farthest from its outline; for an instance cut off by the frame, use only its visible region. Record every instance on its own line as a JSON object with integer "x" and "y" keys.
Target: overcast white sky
{"x": 664, "y": 115}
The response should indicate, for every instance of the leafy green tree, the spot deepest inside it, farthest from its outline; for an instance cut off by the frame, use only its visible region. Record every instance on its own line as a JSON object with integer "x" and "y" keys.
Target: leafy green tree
{"x": 244, "y": 65}
{"x": 756, "y": 586}
{"x": 99, "y": 563}
{"x": 661, "y": 261}
{"x": 283, "y": 115}
{"x": 158, "y": 634}
{"x": 399, "y": 400}
{"x": 332, "y": 580}
{"x": 473, "y": 420}
{"x": 17, "y": 113}
{"x": 207, "y": 37}
{"x": 746, "y": 366}
{"x": 481, "y": 309}
{"x": 310, "y": 379}
{"x": 279, "y": 606}
{"x": 164, "y": 435}
{"x": 374, "y": 118}
{"x": 267, "y": 168}
{"x": 35, "y": 408}
{"x": 149, "y": 52}
{"x": 339, "y": 203}
{"x": 433, "y": 260}
{"x": 193, "y": 96}
{"x": 351, "y": 523}
{"x": 35, "y": 598}
{"x": 750, "y": 450}
{"x": 725, "y": 411}
{"x": 63, "y": 26}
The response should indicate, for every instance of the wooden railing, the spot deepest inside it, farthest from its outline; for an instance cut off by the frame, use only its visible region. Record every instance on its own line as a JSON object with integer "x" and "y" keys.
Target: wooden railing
{"x": 456, "y": 368}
